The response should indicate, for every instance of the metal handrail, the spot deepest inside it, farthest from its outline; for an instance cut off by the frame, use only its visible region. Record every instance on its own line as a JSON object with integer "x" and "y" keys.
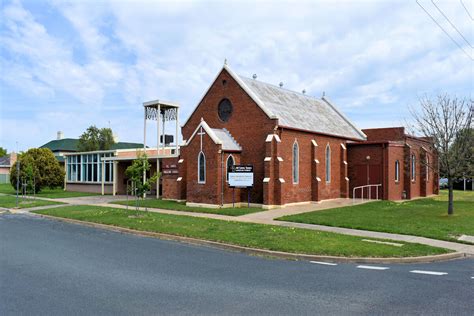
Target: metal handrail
{"x": 362, "y": 191}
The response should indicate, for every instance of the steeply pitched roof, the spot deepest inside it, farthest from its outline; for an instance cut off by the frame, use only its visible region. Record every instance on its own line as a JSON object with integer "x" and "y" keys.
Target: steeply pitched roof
{"x": 228, "y": 142}
{"x": 296, "y": 110}
{"x": 218, "y": 136}
{"x": 300, "y": 111}
{"x": 71, "y": 144}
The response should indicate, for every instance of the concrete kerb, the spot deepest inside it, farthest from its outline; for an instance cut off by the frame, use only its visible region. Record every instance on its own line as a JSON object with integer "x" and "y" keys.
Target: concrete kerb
{"x": 261, "y": 252}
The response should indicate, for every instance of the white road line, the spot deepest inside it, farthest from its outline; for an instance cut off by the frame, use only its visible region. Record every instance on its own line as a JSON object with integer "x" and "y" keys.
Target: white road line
{"x": 472, "y": 277}
{"x": 373, "y": 267}
{"x": 324, "y": 263}
{"x": 429, "y": 272}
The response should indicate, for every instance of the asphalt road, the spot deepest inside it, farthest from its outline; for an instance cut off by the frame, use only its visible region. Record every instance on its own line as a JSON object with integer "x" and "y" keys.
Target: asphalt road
{"x": 54, "y": 268}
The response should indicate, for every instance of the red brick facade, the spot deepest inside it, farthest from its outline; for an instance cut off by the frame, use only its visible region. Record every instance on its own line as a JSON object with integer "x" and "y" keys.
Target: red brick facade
{"x": 386, "y": 147}
{"x": 272, "y": 161}
{"x": 269, "y": 148}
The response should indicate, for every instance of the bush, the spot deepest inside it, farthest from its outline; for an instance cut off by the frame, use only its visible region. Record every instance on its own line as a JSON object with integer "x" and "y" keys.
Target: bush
{"x": 40, "y": 164}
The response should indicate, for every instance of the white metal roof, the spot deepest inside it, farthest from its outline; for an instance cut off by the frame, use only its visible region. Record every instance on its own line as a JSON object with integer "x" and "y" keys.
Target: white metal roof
{"x": 300, "y": 111}
{"x": 228, "y": 142}
{"x": 295, "y": 110}
{"x": 218, "y": 136}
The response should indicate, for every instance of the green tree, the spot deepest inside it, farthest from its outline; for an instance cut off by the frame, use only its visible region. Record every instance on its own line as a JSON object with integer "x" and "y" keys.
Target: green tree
{"x": 41, "y": 164}
{"x": 3, "y": 152}
{"x": 136, "y": 173}
{"x": 106, "y": 138}
{"x": 96, "y": 139}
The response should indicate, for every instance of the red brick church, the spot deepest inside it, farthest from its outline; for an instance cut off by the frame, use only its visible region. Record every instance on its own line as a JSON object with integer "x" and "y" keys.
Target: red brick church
{"x": 302, "y": 149}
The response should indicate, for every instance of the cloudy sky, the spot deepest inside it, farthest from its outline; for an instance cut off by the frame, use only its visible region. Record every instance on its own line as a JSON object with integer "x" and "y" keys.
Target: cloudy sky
{"x": 68, "y": 64}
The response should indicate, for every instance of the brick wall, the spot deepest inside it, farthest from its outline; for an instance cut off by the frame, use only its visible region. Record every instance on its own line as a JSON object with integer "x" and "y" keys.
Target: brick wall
{"x": 249, "y": 125}
{"x": 302, "y": 191}
{"x": 210, "y": 191}
{"x": 385, "y": 134}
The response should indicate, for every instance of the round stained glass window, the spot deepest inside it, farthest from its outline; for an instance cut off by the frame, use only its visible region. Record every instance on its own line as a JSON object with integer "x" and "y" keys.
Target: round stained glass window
{"x": 225, "y": 110}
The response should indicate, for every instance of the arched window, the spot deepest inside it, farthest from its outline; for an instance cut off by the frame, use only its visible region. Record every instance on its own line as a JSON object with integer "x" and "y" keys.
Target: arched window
{"x": 296, "y": 162}
{"x": 328, "y": 163}
{"x": 230, "y": 163}
{"x": 427, "y": 168}
{"x": 397, "y": 171}
{"x": 413, "y": 167}
{"x": 201, "y": 168}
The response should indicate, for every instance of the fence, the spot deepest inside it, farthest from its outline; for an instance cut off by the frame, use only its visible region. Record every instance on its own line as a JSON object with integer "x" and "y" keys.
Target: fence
{"x": 369, "y": 190}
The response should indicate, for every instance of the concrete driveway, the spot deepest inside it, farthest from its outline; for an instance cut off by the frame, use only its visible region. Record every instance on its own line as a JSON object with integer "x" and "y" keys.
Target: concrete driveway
{"x": 92, "y": 200}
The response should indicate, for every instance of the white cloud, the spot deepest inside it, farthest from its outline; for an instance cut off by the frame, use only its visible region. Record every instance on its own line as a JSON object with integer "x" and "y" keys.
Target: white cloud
{"x": 366, "y": 55}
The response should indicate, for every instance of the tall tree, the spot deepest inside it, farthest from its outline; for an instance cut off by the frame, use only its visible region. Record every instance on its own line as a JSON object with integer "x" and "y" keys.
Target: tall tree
{"x": 106, "y": 138}
{"x": 445, "y": 120}
{"x": 96, "y": 139}
{"x": 3, "y": 152}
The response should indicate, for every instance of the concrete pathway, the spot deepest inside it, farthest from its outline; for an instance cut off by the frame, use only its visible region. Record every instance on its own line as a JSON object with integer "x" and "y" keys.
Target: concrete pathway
{"x": 91, "y": 200}
{"x": 304, "y": 208}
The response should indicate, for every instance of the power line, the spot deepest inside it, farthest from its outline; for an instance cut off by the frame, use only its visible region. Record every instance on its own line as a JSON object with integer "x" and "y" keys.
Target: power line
{"x": 467, "y": 11}
{"x": 454, "y": 27}
{"x": 434, "y": 20}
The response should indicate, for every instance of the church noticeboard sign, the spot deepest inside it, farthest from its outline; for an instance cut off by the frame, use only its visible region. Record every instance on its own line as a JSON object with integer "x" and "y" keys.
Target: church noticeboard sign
{"x": 241, "y": 176}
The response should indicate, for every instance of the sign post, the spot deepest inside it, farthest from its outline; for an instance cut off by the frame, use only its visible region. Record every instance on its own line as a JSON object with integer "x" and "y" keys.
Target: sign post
{"x": 241, "y": 176}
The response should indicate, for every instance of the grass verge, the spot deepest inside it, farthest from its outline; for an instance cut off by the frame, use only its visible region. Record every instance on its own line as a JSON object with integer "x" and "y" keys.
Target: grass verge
{"x": 261, "y": 236}
{"x": 179, "y": 206}
{"x": 56, "y": 193}
{"x": 423, "y": 217}
{"x": 9, "y": 201}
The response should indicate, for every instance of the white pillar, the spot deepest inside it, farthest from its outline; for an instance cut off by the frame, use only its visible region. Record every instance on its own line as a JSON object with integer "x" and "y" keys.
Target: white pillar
{"x": 158, "y": 178}
{"x": 103, "y": 176}
{"x": 114, "y": 174}
{"x": 177, "y": 131}
{"x": 65, "y": 172}
{"x": 157, "y": 150}
{"x": 144, "y": 128}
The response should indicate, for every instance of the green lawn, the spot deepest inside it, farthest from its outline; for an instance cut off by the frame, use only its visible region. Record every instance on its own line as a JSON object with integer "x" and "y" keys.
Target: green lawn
{"x": 177, "y": 206}
{"x": 56, "y": 193}
{"x": 9, "y": 201}
{"x": 244, "y": 234}
{"x": 423, "y": 217}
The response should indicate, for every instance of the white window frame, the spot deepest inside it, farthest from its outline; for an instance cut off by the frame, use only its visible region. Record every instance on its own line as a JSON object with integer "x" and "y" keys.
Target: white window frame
{"x": 81, "y": 163}
{"x": 227, "y": 166}
{"x": 199, "y": 168}
{"x": 295, "y": 165}
{"x": 397, "y": 171}
{"x": 327, "y": 173}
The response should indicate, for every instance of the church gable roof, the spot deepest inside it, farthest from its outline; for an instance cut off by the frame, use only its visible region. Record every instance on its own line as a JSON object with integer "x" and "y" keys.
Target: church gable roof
{"x": 295, "y": 110}
{"x": 218, "y": 136}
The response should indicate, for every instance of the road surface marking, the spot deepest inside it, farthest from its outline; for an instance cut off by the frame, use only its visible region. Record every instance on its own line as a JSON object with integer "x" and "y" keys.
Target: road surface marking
{"x": 429, "y": 272}
{"x": 373, "y": 267}
{"x": 324, "y": 263}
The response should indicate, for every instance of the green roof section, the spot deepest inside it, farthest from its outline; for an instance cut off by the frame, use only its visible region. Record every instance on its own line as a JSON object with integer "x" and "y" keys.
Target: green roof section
{"x": 70, "y": 145}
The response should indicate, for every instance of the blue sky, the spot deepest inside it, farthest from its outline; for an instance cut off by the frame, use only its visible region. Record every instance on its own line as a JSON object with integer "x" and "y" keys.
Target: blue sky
{"x": 68, "y": 64}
